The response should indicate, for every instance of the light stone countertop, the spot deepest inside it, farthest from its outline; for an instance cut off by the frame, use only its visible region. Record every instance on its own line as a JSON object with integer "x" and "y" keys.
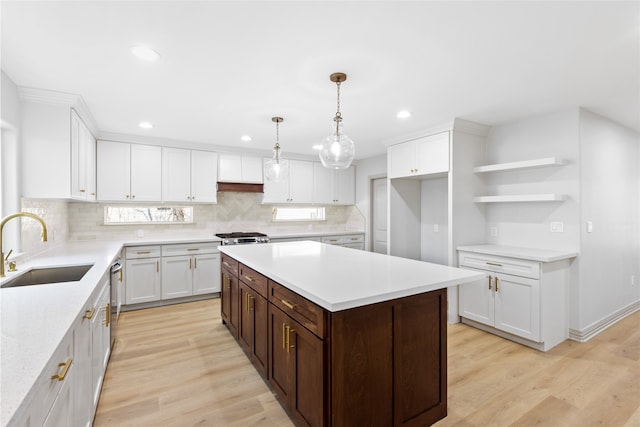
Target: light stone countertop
{"x": 338, "y": 278}
{"x": 35, "y": 319}
{"x": 533, "y": 254}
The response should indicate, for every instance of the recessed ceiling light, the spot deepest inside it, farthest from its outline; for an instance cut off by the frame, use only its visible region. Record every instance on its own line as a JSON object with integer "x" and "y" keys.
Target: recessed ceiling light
{"x": 403, "y": 114}
{"x": 145, "y": 125}
{"x": 317, "y": 147}
{"x": 245, "y": 138}
{"x": 145, "y": 53}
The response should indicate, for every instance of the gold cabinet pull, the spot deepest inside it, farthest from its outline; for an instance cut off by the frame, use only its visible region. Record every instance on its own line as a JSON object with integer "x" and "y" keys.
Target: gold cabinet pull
{"x": 226, "y": 263}
{"x": 494, "y": 263}
{"x": 143, "y": 252}
{"x": 88, "y": 314}
{"x": 288, "y": 339}
{"x": 157, "y": 266}
{"x": 489, "y": 282}
{"x": 195, "y": 263}
{"x": 63, "y": 373}
{"x": 246, "y": 302}
{"x": 284, "y": 340}
{"x": 288, "y": 304}
{"x": 120, "y": 278}
{"x": 497, "y": 286}
{"x": 189, "y": 263}
{"x": 107, "y": 319}
{"x": 249, "y": 278}
{"x": 193, "y": 249}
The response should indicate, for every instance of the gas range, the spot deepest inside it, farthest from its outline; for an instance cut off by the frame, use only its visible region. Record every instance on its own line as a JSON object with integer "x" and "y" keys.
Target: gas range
{"x": 242, "y": 238}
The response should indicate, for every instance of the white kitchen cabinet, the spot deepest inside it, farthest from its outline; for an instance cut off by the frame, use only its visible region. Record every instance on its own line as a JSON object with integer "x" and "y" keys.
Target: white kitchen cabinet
{"x": 57, "y": 148}
{"x": 100, "y": 341}
{"x": 62, "y": 411}
{"x": 190, "y": 269}
{"x": 520, "y": 299}
{"x": 142, "y": 271}
{"x": 333, "y": 186}
{"x": 240, "y": 168}
{"x": 422, "y": 156}
{"x": 354, "y": 241}
{"x": 189, "y": 175}
{"x": 297, "y": 188}
{"x": 129, "y": 172}
{"x": 83, "y": 160}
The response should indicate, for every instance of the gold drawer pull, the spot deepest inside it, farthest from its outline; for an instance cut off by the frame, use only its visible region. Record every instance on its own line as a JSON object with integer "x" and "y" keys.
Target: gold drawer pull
{"x": 143, "y": 252}
{"x": 61, "y": 375}
{"x": 193, "y": 249}
{"x": 107, "y": 320}
{"x": 288, "y": 304}
{"x": 249, "y": 278}
{"x": 88, "y": 314}
{"x": 494, "y": 263}
{"x": 226, "y": 263}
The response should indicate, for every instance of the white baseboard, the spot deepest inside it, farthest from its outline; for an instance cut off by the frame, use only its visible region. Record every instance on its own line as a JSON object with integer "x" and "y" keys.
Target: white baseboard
{"x": 595, "y": 328}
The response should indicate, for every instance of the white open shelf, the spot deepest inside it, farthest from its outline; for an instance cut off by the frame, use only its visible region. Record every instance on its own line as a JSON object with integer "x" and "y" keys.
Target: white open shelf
{"x": 525, "y": 164}
{"x": 521, "y": 198}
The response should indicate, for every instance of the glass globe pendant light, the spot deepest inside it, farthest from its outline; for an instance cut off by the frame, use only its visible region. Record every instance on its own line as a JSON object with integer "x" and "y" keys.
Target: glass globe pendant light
{"x": 276, "y": 169}
{"x": 337, "y": 149}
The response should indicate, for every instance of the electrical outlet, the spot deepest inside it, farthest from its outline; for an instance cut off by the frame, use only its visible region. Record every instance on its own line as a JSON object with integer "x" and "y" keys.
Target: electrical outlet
{"x": 557, "y": 227}
{"x": 589, "y": 226}
{"x": 436, "y": 228}
{"x": 493, "y": 231}
{"x": 633, "y": 280}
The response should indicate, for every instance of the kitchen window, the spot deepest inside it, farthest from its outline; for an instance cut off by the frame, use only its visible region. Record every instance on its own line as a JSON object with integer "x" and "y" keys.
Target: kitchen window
{"x": 298, "y": 214}
{"x": 119, "y": 215}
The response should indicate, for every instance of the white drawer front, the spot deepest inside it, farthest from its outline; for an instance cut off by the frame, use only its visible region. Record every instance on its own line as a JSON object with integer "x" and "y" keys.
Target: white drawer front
{"x": 150, "y": 251}
{"x": 190, "y": 249}
{"x": 514, "y": 266}
{"x": 343, "y": 240}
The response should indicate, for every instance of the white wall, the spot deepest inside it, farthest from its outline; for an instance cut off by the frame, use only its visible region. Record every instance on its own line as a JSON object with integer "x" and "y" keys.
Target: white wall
{"x": 10, "y": 182}
{"x": 610, "y": 255}
{"x": 367, "y": 170}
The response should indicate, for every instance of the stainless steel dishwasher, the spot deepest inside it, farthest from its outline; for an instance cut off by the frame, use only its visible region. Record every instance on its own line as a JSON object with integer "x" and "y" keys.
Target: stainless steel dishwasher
{"x": 116, "y": 298}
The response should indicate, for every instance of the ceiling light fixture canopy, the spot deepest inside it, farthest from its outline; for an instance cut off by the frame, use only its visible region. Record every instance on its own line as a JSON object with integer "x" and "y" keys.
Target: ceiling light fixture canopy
{"x": 276, "y": 169}
{"x": 338, "y": 149}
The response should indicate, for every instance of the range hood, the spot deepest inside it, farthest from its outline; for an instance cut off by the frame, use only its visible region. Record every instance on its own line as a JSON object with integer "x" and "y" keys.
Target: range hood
{"x": 240, "y": 187}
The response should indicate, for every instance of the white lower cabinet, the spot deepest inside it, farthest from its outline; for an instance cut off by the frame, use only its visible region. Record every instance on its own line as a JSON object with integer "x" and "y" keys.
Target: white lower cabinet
{"x": 164, "y": 272}
{"x": 100, "y": 343}
{"x": 519, "y": 299}
{"x": 354, "y": 241}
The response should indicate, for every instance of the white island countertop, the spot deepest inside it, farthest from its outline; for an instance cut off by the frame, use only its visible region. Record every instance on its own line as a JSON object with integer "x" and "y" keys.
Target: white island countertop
{"x": 338, "y": 278}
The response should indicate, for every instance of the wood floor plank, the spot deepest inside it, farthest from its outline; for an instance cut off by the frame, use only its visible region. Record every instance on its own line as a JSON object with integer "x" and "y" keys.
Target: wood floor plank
{"x": 179, "y": 366}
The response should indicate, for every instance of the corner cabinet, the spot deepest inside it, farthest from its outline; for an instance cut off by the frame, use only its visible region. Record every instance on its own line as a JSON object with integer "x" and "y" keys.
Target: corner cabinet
{"x": 520, "y": 299}
{"x": 189, "y": 175}
{"x": 129, "y": 172}
{"x": 362, "y": 366}
{"x": 58, "y": 151}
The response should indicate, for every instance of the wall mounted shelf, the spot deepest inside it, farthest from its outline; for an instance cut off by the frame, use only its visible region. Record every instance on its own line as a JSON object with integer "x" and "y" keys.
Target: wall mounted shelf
{"x": 521, "y": 198}
{"x": 526, "y": 164}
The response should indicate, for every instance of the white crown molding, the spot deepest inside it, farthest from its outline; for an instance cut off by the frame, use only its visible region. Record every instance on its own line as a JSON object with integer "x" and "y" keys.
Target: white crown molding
{"x": 62, "y": 99}
{"x": 456, "y": 125}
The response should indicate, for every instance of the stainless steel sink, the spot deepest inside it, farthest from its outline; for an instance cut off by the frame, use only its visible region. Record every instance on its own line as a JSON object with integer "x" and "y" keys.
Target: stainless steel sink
{"x": 41, "y": 276}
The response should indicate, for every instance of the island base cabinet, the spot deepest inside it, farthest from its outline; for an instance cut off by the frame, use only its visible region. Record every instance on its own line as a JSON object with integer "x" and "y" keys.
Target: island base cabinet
{"x": 230, "y": 307}
{"x": 389, "y": 363}
{"x": 252, "y": 333}
{"x": 296, "y": 369}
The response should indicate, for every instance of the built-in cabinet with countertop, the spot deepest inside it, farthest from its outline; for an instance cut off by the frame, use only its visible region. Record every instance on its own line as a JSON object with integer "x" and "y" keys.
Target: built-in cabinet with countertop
{"x": 58, "y": 149}
{"x": 365, "y": 365}
{"x": 166, "y": 272}
{"x": 348, "y": 240}
{"x": 524, "y": 297}
{"x": 189, "y": 176}
{"x": 242, "y": 168}
{"x": 129, "y": 172}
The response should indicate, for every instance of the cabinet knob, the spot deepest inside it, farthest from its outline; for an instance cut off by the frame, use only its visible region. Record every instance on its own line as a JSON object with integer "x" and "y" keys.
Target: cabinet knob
{"x": 133, "y": 196}
{"x": 127, "y": 196}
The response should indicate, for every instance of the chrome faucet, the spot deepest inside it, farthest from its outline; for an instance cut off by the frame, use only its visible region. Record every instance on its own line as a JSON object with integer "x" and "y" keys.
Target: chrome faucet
{"x": 9, "y": 218}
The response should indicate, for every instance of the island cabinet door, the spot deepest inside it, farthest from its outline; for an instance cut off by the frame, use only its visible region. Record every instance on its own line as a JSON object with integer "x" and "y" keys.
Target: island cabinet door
{"x": 420, "y": 355}
{"x": 280, "y": 366}
{"x": 252, "y": 333}
{"x": 229, "y": 307}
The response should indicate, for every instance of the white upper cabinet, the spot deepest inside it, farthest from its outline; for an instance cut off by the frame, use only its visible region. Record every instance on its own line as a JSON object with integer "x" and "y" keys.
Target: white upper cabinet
{"x": 333, "y": 186}
{"x": 240, "y": 168}
{"x": 298, "y": 188}
{"x": 57, "y": 152}
{"x": 422, "y": 156}
{"x": 129, "y": 172}
{"x": 189, "y": 175}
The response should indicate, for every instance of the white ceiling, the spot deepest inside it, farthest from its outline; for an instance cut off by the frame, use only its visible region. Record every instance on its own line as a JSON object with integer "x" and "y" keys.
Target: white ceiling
{"x": 228, "y": 67}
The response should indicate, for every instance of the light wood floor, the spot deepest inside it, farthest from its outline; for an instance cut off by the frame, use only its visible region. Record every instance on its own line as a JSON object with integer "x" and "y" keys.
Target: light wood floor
{"x": 178, "y": 366}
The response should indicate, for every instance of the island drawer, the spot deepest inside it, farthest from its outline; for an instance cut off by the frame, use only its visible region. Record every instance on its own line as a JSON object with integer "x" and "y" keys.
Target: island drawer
{"x": 310, "y": 315}
{"x": 253, "y": 279}
{"x": 230, "y": 265}
{"x": 151, "y": 251}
